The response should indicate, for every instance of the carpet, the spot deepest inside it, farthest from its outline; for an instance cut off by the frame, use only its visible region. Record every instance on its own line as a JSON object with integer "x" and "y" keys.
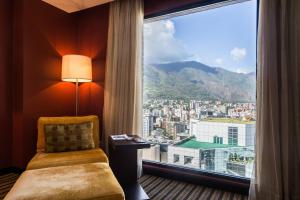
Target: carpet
{"x": 6, "y": 183}
{"x": 159, "y": 188}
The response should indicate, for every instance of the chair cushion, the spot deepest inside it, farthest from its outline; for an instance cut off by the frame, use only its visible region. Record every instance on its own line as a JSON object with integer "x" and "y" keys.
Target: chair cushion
{"x": 65, "y": 120}
{"x": 93, "y": 181}
{"x": 69, "y": 137}
{"x": 44, "y": 160}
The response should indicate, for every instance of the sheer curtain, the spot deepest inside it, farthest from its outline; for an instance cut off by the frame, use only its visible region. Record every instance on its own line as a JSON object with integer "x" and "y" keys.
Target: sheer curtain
{"x": 123, "y": 78}
{"x": 277, "y": 164}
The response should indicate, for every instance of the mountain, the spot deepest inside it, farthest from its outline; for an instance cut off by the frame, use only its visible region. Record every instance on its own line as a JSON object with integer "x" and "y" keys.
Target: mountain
{"x": 195, "y": 80}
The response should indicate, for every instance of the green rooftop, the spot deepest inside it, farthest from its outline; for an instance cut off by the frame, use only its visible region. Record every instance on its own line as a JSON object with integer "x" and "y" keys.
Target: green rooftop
{"x": 194, "y": 144}
{"x": 228, "y": 120}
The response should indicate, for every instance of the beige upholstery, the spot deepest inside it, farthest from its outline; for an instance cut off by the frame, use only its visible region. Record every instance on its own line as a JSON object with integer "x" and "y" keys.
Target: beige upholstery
{"x": 93, "y": 181}
{"x": 42, "y": 160}
{"x": 73, "y": 175}
{"x": 66, "y": 120}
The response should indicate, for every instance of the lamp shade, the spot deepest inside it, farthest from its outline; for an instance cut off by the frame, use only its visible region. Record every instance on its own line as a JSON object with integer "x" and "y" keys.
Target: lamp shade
{"x": 76, "y": 68}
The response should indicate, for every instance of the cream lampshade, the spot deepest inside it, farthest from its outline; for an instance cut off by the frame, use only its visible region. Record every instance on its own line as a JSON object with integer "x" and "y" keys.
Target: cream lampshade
{"x": 76, "y": 68}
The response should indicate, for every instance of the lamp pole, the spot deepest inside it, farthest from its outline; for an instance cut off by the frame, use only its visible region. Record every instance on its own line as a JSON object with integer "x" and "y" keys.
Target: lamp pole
{"x": 76, "y": 96}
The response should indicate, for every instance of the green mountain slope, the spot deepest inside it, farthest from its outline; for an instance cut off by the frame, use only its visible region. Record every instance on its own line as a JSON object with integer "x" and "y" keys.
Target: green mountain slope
{"x": 194, "y": 80}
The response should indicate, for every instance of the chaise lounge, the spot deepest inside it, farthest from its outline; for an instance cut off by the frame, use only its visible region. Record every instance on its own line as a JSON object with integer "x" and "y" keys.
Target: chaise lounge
{"x": 60, "y": 171}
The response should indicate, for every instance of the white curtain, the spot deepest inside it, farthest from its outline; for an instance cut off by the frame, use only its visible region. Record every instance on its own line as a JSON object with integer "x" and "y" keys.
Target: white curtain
{"x": 123, "y": 78}
{"x": 277, "y": 163}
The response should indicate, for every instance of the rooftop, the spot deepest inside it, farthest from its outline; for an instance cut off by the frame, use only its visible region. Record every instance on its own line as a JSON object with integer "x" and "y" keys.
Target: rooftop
{"x": 194, "y": 144}
{"x": 228, "y": 120}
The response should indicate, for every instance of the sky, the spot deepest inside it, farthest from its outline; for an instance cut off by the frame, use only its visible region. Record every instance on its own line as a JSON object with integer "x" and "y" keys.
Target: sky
{"x": 222, "y": 37}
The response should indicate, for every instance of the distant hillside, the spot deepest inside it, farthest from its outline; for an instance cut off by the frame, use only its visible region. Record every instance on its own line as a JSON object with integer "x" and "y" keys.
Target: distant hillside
{"x": 194, "y": 80}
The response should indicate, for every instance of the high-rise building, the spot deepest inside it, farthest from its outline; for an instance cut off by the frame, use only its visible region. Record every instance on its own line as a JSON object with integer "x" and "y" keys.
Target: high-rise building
{"x": 147, "y": 125}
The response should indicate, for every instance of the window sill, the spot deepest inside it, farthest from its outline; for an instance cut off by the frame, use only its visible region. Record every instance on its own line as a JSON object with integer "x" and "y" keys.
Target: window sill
{"x": 220, "y": 181}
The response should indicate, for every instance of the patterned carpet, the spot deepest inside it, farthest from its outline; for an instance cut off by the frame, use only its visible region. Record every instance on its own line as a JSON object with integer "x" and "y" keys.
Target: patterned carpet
{"x": 6, "y": 182}
{"x": 155, "y": 187}
{"x": 166, "y": 189}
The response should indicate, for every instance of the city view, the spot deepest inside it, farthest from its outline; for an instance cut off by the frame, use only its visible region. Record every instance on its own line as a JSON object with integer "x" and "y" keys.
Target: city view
{"x": 199, "y": 107}
{"x": 208, "y": 135}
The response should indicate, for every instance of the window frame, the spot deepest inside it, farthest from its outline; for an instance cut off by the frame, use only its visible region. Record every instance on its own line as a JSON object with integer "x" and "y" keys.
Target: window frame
{"x": 177, "y": 158}
{"x": 218, "y": 140}
{"x": 182, "y": 173}
{"x": 187, "y": 160}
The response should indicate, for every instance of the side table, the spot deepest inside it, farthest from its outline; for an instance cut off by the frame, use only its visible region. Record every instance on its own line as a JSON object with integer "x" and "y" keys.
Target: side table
{"x": 123, "y": 160}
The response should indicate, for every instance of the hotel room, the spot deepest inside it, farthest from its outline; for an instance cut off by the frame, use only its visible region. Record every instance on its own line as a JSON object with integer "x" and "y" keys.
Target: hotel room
{"x": 149, "y": 99}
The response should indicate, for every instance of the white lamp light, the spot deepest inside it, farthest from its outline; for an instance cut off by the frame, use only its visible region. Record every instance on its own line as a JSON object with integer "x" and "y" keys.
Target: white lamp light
{"x": 76, "y": 68}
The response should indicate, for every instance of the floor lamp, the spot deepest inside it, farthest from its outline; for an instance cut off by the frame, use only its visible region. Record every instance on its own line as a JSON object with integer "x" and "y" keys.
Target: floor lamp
{"x": 76, "y": 69}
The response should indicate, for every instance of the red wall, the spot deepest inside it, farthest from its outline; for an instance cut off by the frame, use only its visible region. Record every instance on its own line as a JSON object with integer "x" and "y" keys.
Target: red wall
{"x": 5, "y": 82}
{"x": 92, "y": 28}
{"x": 42, "y": 35}
{"x": 45, "y": 34}
{"x": 45, "y": 39}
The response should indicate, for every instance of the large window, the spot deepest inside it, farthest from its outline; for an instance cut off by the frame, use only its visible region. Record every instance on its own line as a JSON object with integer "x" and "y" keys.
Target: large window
{"x": 199, "y": 89}
{"x": 233, "y": 135}
{"x": 218, "y": 140}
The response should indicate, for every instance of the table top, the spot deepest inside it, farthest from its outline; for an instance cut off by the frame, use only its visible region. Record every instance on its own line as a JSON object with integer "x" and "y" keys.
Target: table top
{"x": 128, "y": 144}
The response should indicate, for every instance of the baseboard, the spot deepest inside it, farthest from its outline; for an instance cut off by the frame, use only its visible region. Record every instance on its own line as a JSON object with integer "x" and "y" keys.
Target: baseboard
{"x": 11, "y": 170}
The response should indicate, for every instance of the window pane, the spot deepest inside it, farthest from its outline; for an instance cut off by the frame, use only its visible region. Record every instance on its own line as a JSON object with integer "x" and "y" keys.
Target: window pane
{"x": 199, "y": 89}
{"x": 188, "y": 160}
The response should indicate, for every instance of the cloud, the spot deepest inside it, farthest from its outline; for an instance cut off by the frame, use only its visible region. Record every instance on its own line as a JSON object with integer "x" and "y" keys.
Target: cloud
{"x": 241, "y": 71}
{"x": 245, "y": 70}
{"x": 238, "y": 54}
{"x": 160, "y": 43}
{"x": 219, "y": 61}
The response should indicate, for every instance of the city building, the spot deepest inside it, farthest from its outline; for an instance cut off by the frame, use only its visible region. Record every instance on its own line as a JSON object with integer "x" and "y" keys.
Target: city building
{"x": 147, "y": 125}
{"x": 153, "y": 153}
{"x": 224, "y": 131}
{"x": 222, "y": 158}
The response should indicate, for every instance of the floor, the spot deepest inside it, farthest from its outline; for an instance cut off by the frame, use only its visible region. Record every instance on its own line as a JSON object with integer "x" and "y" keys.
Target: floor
{"x": 165, "y": 189}
{"x": 6, "y": 182}
{"x": 155, "y": 187}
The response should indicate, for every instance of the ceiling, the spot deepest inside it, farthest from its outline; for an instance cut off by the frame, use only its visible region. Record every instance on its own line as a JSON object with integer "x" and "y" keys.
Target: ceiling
{"x": 75, "y": 5}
